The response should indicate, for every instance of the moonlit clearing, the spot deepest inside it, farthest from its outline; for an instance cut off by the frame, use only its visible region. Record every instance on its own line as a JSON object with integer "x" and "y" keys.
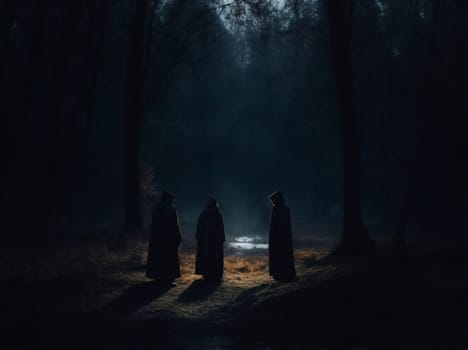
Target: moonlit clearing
{"x": 248, "y": 243}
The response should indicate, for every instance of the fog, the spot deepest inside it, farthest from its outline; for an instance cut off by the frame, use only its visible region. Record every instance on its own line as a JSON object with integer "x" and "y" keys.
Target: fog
{"x": 240, "y": 101}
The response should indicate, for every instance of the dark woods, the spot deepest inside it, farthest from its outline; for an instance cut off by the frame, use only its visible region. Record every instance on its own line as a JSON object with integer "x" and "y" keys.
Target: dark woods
{"x": 50, "y": 76}
{"x": 57, "y": 62}
{"x": 362, "y": 101}
{"x": 355, "y": 236}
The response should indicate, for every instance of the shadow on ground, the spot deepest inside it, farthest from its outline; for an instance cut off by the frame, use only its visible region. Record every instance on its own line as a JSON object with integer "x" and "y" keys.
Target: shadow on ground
{"x": 134, "y": 298}
{"x": 198, "y": 290}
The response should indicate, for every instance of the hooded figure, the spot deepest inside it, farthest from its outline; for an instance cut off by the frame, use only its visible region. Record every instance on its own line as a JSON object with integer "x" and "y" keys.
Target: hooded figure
{"x": 210, "y": 239}
{"x": 280, "y": 250}
{"x": 163, "y": 252}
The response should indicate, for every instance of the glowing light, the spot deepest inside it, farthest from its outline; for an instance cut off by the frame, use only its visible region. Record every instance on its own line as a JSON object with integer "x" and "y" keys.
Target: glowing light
{"x": 244, "y": 239}
{"x": 248, "y": 243}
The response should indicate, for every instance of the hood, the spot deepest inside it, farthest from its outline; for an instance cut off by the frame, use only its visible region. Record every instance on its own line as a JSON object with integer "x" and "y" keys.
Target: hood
{"x": 276, "y": 198}
{"x": 167, "y": 198}
{"x": 211, "y": 203}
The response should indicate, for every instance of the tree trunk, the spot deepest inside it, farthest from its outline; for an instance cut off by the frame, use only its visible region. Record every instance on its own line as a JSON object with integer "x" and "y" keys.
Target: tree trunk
{"x": 199, "y": 90}
{"x": 399, "y": 237}
{"x": 355, "y": 238}
{"x": 6, "y": 24}
{"x": 11, "y": 135}
{"x": 435, "y": 23}
{"x": 100, "y": 14}
{"x": 133, "y": 113}
{"x": 57, "y": 95}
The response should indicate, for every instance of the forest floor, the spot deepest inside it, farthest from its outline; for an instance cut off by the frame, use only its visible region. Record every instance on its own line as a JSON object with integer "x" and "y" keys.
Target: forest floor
{"x": 385, "y": 300}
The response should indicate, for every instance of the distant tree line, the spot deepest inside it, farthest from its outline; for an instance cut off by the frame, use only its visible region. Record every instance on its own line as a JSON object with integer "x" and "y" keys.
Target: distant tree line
{"x": 373, "y": 90}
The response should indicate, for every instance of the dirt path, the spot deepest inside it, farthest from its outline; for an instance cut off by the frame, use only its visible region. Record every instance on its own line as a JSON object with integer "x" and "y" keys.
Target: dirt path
{"x": 370, "y": 300}
{"x": 193, "y": 299}
{"x": 246, "y": 281}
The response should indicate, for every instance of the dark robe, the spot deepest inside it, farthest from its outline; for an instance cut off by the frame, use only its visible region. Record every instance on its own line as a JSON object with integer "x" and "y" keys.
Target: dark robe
{"x": 163, "y": 252}
{"x": 210, "y": 239}
{"x": 280, "y": 250}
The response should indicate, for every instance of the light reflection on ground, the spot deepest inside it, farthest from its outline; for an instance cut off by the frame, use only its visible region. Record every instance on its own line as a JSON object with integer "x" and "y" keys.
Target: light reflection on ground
{"x": 248, "y": 243}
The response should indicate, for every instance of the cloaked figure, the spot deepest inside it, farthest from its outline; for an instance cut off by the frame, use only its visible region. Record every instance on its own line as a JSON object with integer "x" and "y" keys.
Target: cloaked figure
{"x": 210, "y": 240}
{"x": 163, "y": 252}
{"x": 280, "y": 250}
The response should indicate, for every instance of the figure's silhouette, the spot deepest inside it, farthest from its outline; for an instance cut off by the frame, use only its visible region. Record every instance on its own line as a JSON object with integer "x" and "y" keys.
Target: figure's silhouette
{"x": 280, "y": 250}
{"x": 163, "y": 253}
{"x": 210, "y": 239}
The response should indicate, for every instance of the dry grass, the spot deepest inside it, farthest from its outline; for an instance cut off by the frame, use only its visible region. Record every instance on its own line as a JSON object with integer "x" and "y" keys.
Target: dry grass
{"x": 236, "y": 264}
{"x": 102, "y": 257}
{"x": 77, "y": 258}
{"x": 309, "y": 257}
{"x": 88, "y": 276}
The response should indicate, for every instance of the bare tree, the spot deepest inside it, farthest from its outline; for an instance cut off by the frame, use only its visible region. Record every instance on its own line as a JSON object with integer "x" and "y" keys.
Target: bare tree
{"x": 99, "y": 14}
{"x": 6, "y": 24}
{"x": 355, "y": 238}
{"x": 23, "y": 109}
{"x": 183, "y": 17}
{"x": 133, "y": 115}
{"x": 203, "y": 122}
{"x": 263, "y": 16}
{"x": 70, "y": 12}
